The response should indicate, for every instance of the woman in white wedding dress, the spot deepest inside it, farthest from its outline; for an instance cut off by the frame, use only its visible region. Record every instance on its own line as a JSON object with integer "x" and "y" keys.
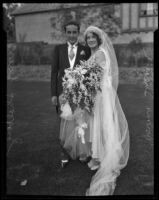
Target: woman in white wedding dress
{"x": 107, "y": 135}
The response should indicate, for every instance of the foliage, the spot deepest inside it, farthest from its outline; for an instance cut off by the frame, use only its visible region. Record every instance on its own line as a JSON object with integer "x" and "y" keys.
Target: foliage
{"x": 40, "y": 53}
{"x": 138, "y": 53}
{"x": 148, "y": 82}
{"x": 30, "y": 53}
{"x": 135, "y": 54}
{"x": 103, "y": 17}
{"x": 8, "y": 19}
{"x": 10, "y": 54}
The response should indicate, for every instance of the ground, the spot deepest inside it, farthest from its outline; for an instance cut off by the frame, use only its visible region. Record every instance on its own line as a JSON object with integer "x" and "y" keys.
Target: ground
{"x": 35, "y": 152}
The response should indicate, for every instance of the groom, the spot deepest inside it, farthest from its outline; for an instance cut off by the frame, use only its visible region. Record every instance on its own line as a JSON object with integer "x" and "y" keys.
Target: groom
{"x": 66, "y": 55}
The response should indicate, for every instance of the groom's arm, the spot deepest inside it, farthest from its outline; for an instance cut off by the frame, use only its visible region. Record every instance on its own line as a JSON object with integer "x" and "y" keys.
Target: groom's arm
{"x": 54, "y": 71}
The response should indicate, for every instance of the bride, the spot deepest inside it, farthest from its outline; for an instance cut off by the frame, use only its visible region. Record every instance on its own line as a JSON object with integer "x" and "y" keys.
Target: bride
{"x": 107, "y": 135}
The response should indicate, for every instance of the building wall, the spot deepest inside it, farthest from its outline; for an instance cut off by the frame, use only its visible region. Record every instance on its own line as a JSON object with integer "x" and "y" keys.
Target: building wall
{"x": 125, "y": 38}
{"x": 139, "y": 17}
{"x": 47, "y": 26}
{"x": 33, "y": 27}
{"x": 133, "y": 24}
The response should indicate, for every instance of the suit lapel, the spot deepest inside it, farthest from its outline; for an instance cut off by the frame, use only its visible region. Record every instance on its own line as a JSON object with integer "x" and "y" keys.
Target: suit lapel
{"x": 78, "y": 53}
{"x": 65, "y": 56}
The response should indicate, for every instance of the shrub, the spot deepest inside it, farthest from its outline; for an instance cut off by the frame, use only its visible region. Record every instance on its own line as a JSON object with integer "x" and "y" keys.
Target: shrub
{"x": 142, "y": 61}
{"x": 45, "y": 60}
{"x": 33, "y": 53}
{"x": 39, "y": 53}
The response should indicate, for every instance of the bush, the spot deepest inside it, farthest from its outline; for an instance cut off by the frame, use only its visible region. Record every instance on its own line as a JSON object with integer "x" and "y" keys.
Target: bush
{"x": 143, "y": 61}
{"x": 10, "y": 54}
{"x": 45, "y": 60}
{"x": 39, "y": 53}
{"x": 18, "y": 55}
{"x": 135, "y": 54}
{"x": 31, "y": 57}
{"x": 29, "y": 53}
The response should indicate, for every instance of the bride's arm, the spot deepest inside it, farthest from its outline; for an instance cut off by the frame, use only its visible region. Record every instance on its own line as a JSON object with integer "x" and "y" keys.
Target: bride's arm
{"x": 100, "y": 58}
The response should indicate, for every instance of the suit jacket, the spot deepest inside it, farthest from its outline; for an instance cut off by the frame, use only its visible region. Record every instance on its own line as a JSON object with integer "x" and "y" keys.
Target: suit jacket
{"x": 61, "y": 61}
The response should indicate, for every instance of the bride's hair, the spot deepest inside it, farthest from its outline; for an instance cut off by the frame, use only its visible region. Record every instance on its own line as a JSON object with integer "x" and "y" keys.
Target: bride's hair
{"x": 99, "y": 41}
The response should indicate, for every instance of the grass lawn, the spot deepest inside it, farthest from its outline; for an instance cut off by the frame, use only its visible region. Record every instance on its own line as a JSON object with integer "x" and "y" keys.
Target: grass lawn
{"x": 35, "y": 156}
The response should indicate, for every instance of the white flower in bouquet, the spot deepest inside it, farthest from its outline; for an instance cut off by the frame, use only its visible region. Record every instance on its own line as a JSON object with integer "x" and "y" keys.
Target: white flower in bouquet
{"x": 83, "y": 71}
{"x": 66, "y": 111}
{"x": 71, "y": 81}
{"x": 82, "y": 86}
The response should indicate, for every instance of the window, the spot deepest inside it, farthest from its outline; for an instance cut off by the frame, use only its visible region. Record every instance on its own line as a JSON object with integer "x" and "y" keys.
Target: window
{"x": 148, "y": 9}
{"x": 143, "y": 10}
{"x": 147, "y": 16}
{"x": 155, "y": 8}
{"x": 138, "y": 17}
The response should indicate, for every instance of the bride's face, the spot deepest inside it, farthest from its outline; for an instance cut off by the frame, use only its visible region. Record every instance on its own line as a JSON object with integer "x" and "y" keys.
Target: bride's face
{"x": 92, "y": 40}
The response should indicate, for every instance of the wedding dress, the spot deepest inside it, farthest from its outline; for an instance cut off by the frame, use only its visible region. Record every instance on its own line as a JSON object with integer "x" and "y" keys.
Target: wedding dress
{"x": 70, "y": 140}
{"x": 109, "y": 134}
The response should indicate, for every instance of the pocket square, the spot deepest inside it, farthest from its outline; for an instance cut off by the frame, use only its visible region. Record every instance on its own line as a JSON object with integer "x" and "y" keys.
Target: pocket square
{"x": 82, "y": 52}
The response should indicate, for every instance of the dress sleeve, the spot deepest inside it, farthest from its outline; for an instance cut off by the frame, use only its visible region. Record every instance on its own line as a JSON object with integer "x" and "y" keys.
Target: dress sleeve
{"x": 102, "y": 60}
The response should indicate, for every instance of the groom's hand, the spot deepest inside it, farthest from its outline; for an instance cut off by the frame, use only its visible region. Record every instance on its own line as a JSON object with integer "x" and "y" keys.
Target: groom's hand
{"x": 61, "y": 100}
{"x": 54, "y": 100}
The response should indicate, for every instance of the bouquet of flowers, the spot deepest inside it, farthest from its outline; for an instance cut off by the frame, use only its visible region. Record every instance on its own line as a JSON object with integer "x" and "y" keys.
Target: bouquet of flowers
{"x": 80, "y": 86}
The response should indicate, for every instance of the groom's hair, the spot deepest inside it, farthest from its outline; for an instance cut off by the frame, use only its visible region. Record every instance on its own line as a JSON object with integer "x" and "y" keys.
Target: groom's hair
{"x": 75, "y": 23}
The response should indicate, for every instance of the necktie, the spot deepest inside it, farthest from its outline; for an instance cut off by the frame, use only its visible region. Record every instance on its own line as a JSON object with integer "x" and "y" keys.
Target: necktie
{"x": 72, "y": 54}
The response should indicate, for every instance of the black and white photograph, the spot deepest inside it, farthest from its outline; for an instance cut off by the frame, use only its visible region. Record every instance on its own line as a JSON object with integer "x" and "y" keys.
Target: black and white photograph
{"x": 80, "y": 98}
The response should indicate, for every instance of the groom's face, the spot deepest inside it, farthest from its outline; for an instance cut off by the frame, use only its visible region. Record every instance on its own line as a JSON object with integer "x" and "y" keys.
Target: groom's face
{"x": 72, "y": 33}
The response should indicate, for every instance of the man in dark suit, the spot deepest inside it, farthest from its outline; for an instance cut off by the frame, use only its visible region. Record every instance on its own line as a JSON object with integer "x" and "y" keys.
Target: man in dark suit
{"x": 66, "y": 55}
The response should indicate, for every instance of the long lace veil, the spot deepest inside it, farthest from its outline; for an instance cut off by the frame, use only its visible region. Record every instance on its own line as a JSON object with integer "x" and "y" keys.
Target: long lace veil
{"x": 115, "y": 134}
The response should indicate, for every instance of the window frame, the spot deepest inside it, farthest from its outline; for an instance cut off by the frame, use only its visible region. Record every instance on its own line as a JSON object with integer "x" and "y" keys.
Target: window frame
{"x": 147, "y": 15}
{"x": 138, "y": 29}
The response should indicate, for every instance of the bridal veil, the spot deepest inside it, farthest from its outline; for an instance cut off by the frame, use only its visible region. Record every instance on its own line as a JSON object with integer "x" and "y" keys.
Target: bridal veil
{"x": 110, "y": 122}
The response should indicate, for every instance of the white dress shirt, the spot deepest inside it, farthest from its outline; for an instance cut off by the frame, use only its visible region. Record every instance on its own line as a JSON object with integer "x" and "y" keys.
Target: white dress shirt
{"x": 75, "y": 52}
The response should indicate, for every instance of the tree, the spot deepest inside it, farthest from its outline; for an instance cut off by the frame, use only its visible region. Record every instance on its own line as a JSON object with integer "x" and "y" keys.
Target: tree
{"x": 8, "y": 19}
{"x": 100, "y": 16}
